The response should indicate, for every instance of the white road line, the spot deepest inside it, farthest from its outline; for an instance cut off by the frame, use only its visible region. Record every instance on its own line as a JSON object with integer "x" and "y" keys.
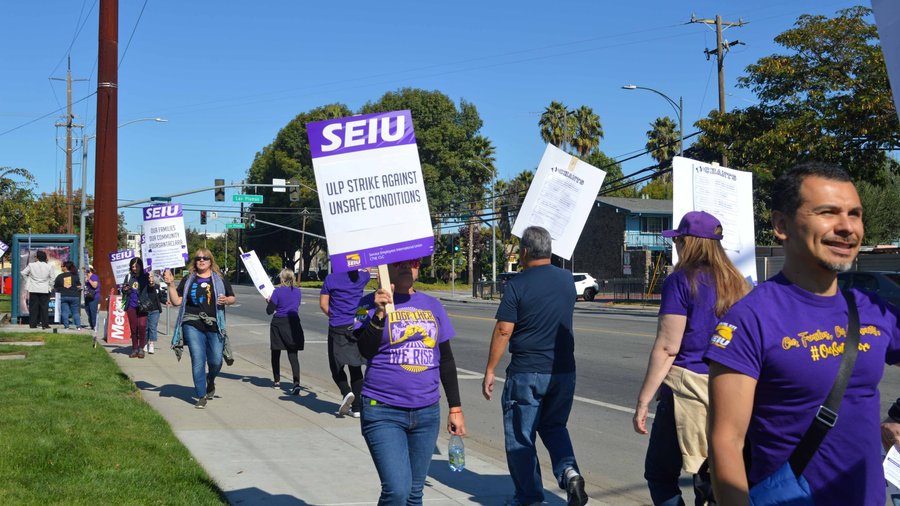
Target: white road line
{"x": 615, "y": 407}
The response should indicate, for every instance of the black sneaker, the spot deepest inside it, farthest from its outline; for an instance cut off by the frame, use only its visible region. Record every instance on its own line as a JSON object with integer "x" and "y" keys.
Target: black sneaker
{"x": 575, "y": 493}
{"x": 211, "y": 392}
{"x": 295, "y": 390}
{"x": 201, "y": 403}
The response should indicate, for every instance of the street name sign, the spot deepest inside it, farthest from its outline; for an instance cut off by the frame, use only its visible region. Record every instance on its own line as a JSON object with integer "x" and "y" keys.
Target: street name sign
{"x": 252, "y": 199}
{"x": 234, "y": 225}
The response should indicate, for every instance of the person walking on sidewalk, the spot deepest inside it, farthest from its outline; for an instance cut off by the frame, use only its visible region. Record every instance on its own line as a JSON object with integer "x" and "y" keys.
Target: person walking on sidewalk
{"x": 68, "y": 286}
{"x": 535, "y": 319}
{"x": 91, "y": 295}
{"x": 137, "y": 282}
{"x": 153, "y": 314}
{"x": 704, "y": 285}
{"x": 409, "y": 355}
{"x": 201, "y": 297}
{"x": 285, "y": 331}
{"x": 339, "y": 299}
{"x": 38, "y": 281}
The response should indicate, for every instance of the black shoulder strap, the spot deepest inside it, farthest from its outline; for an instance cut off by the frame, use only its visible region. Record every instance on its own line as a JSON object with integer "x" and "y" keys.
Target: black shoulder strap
{"x": 827, "y": 414}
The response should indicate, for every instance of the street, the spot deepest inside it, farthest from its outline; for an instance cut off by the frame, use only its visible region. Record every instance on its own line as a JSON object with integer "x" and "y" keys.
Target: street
{"x": 611, "y": 352}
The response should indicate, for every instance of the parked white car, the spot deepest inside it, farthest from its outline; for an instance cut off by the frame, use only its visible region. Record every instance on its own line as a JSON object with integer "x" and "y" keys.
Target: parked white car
{"x": 585, "y": 285}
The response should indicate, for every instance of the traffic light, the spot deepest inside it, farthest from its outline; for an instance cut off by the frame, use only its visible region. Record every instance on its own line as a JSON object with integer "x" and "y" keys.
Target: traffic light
{"x": 203, "y": 217}
{"x": 294, "y": 191}
{"x": 251, "y": 218}
{"x": 220, "y": 192}
{"x": 449, "y": 240}
{"x": 452, "y": 243}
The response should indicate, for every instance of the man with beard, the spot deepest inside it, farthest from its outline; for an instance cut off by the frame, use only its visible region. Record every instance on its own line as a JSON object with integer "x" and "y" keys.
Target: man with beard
{"x": 775, "y": 355}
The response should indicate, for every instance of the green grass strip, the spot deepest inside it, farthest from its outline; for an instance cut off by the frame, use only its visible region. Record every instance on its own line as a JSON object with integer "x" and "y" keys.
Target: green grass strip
{"x": 74, "y": 430}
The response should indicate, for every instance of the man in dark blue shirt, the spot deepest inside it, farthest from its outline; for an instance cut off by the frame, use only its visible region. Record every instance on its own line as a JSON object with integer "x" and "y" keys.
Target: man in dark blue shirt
{"x": 535, "y": 319}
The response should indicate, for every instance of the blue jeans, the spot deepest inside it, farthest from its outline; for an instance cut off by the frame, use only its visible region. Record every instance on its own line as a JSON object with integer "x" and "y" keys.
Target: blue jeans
{"x": 152, "y": 322}
{"x": 70, "y": 305}
{"x": 537, "y": 403}
{"x": 206, "y": 348}
{"x": 91, "y": 309}
{"x": 662, "y": 466}
{"x": 401, "y": 442}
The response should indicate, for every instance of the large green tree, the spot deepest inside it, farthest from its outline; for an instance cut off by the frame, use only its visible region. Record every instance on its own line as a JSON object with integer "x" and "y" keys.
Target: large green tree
{"x": 825, "y": 98}
{"x": 556, "y": 125}
{"x": 588, "y": 131}
{"x": 663, "y": 139}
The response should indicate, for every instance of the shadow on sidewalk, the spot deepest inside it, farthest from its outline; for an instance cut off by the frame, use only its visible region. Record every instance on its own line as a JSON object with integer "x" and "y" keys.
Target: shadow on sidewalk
{"x": 253, "y": 496}
{"x": 181, "y": 392}
{"x": 482, "y": 488}
{"x": 310, "y": 400}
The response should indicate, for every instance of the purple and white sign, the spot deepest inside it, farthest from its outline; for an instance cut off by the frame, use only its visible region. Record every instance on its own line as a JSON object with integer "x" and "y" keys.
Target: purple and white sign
{"x": 164, "y": 241}
{"x": 3, "y": 248}
{"x": 119, "y": 262}
{"x": 371, "y": 190}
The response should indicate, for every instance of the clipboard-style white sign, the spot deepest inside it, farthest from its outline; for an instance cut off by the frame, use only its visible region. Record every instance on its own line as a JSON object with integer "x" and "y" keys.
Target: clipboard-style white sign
{"x": 560, "y": 198}
{"x": 119, "y": 261}
{"x": 258, "y": 274}
{"x": 724, "y": 193}
{"x": 165, "y": 242}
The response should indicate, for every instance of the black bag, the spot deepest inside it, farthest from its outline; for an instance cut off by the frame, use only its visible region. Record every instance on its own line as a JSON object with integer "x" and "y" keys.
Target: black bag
{"x": 145, "y": 302}
{"x": 88, "y": 296}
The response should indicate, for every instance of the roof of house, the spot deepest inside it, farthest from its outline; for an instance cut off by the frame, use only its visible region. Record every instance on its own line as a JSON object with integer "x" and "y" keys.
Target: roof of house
{"x": 638, "y": 206}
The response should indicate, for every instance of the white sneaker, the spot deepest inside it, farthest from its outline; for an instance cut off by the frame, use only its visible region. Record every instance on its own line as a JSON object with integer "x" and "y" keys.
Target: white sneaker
{"x": 346, "y": 403}
{"x": 145, "y": 348}
{"x": 354, "y": 414}
{"x": 150, "y": 349}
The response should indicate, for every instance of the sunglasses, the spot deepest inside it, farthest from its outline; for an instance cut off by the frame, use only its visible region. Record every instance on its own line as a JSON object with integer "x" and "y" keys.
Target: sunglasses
{"x": 197, "y": 259}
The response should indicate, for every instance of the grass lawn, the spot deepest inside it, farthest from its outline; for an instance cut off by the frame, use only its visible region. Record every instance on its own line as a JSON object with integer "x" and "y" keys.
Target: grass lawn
{"x": 73, "y": 430}
{"x": 5, "y": 303}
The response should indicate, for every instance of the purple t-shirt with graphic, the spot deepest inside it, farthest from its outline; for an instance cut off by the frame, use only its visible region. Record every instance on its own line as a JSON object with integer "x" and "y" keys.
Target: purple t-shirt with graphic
{"x": 286, "y": 300}
{"x": 406, "y": 370}
{"x": 88, "y": 289}
{"x": 791, "y": 341}
{"x": 343, "y": 296}
{"x": 700, "y": 310}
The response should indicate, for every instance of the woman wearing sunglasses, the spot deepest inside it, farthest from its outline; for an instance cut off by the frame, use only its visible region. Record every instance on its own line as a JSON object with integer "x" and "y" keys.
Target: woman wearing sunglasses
{"x": 202, "y": 295}
{"x": 409, "y": 355}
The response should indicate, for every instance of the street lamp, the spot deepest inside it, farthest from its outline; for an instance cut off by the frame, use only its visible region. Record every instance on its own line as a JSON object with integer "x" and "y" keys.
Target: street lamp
{"x": 679, "y": 109}
{"x": 84, "y": 152}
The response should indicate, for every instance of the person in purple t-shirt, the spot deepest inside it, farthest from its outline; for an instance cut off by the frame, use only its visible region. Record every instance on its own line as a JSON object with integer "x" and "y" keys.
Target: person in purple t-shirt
{"x": 775, "y": 355}
{"x": 285, "y": 331}
{"x": 409, "y": 358}
{"x": 703, "y": 286}
{"x": 339, "y": 299}
{"x": 91, "y": 295}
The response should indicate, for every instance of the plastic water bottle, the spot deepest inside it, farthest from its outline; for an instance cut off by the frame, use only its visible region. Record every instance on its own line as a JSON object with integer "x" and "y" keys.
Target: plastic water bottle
{"x": 457, "y": 454}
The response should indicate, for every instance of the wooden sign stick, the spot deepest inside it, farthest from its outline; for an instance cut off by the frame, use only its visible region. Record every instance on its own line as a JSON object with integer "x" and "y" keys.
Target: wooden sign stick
{"x": 384, "y": 281}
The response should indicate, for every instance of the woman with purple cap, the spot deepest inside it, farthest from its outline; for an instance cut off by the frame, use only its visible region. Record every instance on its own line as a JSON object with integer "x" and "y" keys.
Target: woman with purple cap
{"x": 703, "y": 286}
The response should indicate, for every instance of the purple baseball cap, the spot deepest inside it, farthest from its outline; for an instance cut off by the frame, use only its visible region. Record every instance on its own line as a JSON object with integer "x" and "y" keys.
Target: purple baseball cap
{"x": 696, "y": 224}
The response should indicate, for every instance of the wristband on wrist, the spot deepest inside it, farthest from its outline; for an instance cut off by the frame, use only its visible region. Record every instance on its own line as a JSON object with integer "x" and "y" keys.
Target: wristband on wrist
{"x": 454, "y": 411}
{"x": 894, "y": 412}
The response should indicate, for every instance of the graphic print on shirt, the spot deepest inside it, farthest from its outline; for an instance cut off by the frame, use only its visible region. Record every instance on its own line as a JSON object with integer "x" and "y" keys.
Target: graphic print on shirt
{"x": 67, "y": 282}
{"x": 820, "y": 344}
{"x": 201, "y": 293}
{"x": 413, "y": 335}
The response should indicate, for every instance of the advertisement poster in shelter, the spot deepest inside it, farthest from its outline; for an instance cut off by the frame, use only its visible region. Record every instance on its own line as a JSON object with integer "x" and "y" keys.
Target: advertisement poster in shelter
{"x": 371, "y": 190}
{"x": 560, "y": 198}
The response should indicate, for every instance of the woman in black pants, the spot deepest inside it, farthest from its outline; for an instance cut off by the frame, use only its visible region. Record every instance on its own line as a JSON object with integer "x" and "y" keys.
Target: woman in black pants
{"x": 285, "y": 332}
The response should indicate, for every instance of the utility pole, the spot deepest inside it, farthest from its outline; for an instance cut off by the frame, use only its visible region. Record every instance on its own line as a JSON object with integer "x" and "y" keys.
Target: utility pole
{"x": 106, "y": 181}
{"x": 70, "y": 207}
{"x": 305, "y": 214}
{"x": 722, "y": 47}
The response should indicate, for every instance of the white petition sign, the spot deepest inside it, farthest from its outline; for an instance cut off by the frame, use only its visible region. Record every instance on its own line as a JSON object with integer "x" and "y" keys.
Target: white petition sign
{"x": 724, "y": 193}
{"x": 560, "y": 198}
{"x": 258, "y": 274}
{"x": 165, "y": 243}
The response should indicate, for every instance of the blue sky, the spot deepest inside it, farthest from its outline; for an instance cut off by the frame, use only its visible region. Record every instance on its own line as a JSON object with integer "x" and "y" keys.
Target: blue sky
{"x": 228, "y": 75}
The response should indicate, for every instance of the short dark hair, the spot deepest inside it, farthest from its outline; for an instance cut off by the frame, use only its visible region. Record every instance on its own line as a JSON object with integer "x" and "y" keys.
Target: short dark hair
{"x": 41, "y": 256}
{"x": 538, "y": 242}
{"x": 786, "y": 189}
{"x": 69, "y": 265}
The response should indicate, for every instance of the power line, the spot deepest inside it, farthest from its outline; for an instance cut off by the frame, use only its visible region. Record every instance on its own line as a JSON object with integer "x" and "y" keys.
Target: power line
{"x": 128, "y": 44}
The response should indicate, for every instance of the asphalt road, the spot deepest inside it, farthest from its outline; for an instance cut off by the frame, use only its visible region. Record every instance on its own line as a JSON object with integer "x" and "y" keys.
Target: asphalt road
{"x": 611, "y": 353}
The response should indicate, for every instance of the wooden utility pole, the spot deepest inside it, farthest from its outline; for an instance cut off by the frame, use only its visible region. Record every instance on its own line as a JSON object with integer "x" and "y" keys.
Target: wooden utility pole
{"x": 69, "y": 126}
{"x": 722, "y": 47}
{"x": 106, "y": 180}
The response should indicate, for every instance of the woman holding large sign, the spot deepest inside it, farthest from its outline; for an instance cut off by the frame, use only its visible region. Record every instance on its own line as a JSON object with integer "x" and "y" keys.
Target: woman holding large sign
{"x": 409, "y": 353}
{"x": 202, "y": 297}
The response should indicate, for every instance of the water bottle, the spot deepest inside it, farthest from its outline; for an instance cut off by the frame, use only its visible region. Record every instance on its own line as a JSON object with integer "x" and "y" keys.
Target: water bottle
{"x": 457, "y": 454}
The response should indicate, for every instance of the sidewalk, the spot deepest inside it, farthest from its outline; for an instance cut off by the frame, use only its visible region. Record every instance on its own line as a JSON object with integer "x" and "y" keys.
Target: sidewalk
{"x": 263, "y": 446}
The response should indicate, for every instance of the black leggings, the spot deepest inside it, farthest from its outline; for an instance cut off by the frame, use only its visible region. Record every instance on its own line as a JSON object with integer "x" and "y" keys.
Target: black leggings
{"x": 340, "y": 377}
{"x": 295, "y": 364}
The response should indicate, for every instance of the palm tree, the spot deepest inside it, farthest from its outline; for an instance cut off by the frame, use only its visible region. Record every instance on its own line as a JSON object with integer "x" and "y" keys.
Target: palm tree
{"x": 588, "y": 131}
{"x": 663, "y": 139}
{"x": 557, "y": 126}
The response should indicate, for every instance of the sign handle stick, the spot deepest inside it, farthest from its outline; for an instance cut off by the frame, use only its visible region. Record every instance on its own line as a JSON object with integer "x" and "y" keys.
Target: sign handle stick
{"x": 241, "y": 250}
{"x": 384, "y": 281}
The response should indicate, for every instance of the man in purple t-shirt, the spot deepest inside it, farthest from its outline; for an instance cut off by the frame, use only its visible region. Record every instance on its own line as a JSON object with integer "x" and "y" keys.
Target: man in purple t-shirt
{"x": 339, "y": 300}
{"x": 774, "y": 356}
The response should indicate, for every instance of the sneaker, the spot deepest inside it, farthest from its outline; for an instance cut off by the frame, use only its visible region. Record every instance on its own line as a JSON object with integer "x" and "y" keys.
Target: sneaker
{"x": 276, "y": 384}
{"x": 211, "y": 392}
{"x": 140, "y": 354}
{"x": 346, "y": 403}
{"x": 295, "y": 390}
{"x": 355, "y": 414}
{"x": 134, "y": 354}
{"x": 201, "y": 403}
{"x": 145, "y": 348}
{"x": 229, "y": 361}
{"x": 150, "y": 348}
{"x": 575, "y": 493}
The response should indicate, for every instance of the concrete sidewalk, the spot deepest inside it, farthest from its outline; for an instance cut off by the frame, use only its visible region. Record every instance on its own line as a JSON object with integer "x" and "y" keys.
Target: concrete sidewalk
{"x": 263, "y": 446}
